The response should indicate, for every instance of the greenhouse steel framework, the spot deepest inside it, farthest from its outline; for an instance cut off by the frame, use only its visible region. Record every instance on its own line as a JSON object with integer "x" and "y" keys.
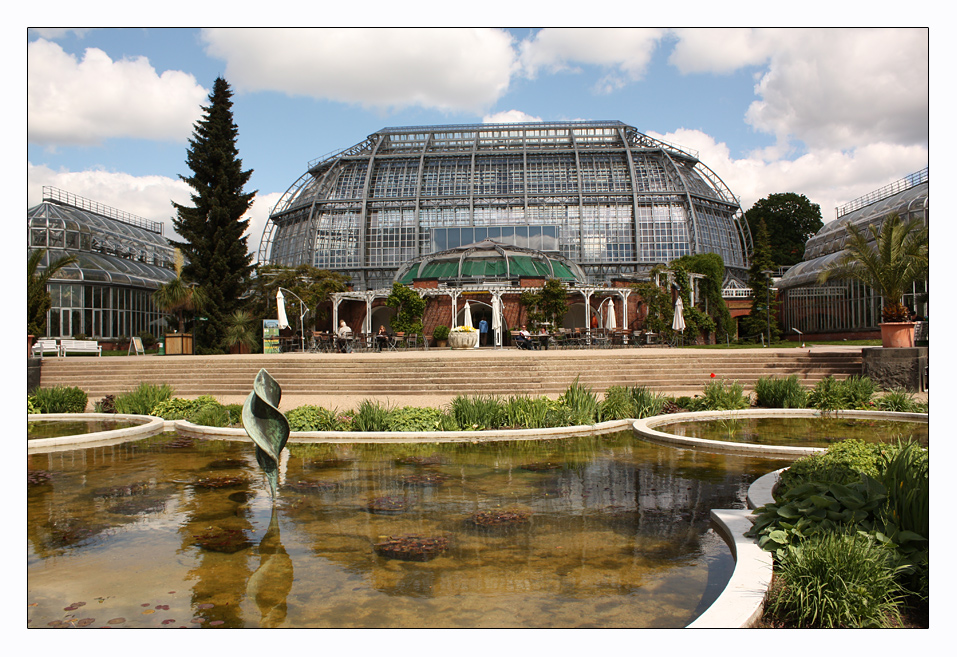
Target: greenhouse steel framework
{"x": 599, "y": 193}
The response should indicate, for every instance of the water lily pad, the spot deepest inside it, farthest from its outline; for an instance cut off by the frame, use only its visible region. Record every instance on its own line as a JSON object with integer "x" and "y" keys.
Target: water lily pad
{"x": 412, "y": 547}
{"x": 205, "y": 605}
{"x": 498, "y": 518}
{"x": 38, "y": 477}
{"x": 310, "y": 486}
{"x": 169, "y": 621}
{"x": 216, "y": 622}
{"x": 116, "y": 621}
{"x": 389, "y": 505}
{"x": 227, "y": 541}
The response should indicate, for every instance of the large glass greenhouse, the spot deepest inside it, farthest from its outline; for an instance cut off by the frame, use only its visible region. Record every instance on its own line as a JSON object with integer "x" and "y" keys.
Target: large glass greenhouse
{"x": 845, "y": 306}
{"x": 121, "y": 260}
{"x": 598, "y": 193}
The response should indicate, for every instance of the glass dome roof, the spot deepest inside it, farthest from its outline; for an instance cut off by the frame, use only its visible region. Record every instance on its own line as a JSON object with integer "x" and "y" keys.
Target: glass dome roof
{"x": 600, "y": 193}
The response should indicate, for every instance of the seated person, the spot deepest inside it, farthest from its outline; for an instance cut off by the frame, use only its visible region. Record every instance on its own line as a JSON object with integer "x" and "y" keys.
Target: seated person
{"x": 344, "y": 337}
{"x": 381, "y": 338}
{"x": 524, "y": 339}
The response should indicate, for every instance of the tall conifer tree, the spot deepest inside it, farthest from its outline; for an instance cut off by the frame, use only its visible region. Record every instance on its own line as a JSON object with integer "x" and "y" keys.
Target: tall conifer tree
{"x": 213, "y": 229}
{"x": 756, "y": 323}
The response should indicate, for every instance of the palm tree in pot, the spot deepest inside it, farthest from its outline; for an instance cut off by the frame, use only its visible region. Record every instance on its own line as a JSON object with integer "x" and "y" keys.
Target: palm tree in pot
{"x": 177, "y": 296}
{"x": 241, "y": 332}
{"x": 889, "y": 260}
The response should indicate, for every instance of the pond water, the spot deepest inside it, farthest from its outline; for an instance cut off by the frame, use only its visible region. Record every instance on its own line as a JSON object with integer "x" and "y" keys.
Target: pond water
{"x": 798, "y": 431}
{"x": 168, "y": 531}
{"x": 60, "y": 428}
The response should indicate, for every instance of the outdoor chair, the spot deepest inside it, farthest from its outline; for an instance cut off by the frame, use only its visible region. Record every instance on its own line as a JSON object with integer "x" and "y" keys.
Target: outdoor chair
{"x": 412, "y": 342}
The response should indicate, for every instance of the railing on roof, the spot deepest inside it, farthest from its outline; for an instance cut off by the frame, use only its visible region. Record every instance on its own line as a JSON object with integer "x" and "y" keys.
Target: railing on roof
{"x": 66, "y": 198}
{"x": 896, "y": 187}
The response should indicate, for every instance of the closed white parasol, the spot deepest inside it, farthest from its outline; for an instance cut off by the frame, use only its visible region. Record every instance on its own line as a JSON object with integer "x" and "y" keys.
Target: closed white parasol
{"x": 679, "y": 323}
{"x": 281, "y": 303}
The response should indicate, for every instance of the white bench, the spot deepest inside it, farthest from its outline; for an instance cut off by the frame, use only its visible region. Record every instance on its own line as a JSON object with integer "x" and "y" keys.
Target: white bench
{"x": 43, "y": 346}
{"x": 80, "y": 347}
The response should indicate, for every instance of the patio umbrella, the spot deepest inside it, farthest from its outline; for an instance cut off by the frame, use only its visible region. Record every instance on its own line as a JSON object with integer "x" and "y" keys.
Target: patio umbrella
{"x": 610, "y": 322}
{"x": 467, "y": 319}
{"x": 281, "y": 303}
{"x": 497, "y": 320}
{"x": 679, "y": 323}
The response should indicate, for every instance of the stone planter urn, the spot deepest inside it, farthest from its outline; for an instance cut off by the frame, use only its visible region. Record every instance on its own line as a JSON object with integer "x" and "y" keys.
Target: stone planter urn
{"x": 897, "y": 334}
{"x": 463, "y": 339}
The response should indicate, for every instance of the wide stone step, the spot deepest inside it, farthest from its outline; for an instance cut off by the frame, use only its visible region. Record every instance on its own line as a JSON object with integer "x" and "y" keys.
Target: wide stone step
{"x": 503, "y": 373}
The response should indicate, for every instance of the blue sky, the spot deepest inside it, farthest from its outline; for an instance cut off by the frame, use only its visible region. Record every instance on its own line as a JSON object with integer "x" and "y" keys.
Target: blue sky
{"x": 829, "y": 113}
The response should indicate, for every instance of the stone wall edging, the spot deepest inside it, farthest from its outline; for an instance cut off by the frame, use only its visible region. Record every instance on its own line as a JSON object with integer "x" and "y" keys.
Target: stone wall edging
{"x": 151, "y": 426}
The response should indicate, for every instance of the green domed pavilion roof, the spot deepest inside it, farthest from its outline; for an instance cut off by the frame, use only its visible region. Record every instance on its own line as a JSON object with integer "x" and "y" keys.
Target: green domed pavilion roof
{"x": 489, "y": 261}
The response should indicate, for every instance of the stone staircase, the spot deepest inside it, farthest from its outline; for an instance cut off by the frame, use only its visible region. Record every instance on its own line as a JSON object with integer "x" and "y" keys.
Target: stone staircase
{"x": 474, "y": 372}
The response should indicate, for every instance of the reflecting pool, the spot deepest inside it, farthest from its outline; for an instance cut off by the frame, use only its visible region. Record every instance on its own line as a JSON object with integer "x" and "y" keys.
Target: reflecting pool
{"x": 75, "y": 427}
{"x": 168, "y": 531}
{"x": 798, "y": 431}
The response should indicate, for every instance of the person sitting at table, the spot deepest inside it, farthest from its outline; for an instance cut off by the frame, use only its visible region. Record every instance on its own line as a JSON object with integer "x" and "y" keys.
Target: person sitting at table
{"x": 381, "y": 338}
{"x": 524, "y": 339}
{"x": 344, "y": 337}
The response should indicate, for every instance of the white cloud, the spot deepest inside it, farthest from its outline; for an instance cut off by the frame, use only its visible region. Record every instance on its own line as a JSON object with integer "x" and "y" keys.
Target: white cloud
{"x": 96, "y": 98}
{"x": 719, "y": 50}
{"x": 149, "y": 197}
{"x": 447, "y": 69}
{"x": 511, "y": 116}
{"x": 828, "y": 88}
{"x": 828, "y": 177}
{"x": 626, "y": 51}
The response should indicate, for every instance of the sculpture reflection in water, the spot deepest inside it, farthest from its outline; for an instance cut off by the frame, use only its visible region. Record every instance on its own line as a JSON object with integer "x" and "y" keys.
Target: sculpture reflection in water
{"x": 267, "y": 426}
{"x": 272, "y": 581}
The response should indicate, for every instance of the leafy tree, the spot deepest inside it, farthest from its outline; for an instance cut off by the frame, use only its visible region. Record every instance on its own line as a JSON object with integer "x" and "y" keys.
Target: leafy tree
{"x": 38, "y": 298}
{"x": 712, "y": 266}
{"x": 409, "y": 308}
{"x": 889, "y": 260}
{"x": 547, "y": 305}
{"x": 213, "y": 228}
{"x": 791, "y": 220}
{"x": 756, "y": 323}
{"x": 310, "y": 284}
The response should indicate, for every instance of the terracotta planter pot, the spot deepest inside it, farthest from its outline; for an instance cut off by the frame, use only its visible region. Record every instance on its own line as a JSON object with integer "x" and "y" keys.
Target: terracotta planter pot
{"x": 463, "y": 340}
{"x": 897, "y": 334}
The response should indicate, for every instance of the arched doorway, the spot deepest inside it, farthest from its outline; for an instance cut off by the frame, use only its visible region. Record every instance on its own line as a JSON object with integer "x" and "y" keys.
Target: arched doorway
{"x": 382, "y": 316}
{"x": 479, "y": 310}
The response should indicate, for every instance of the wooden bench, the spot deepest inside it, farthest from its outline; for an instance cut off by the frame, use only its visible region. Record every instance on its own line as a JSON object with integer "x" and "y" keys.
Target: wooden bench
{"x": 43, "y": 346}
{"x": 80, "y": 347}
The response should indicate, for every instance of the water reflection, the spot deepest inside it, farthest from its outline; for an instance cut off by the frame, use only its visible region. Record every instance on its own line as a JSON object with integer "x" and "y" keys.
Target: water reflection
{"x": 615, "y": 533}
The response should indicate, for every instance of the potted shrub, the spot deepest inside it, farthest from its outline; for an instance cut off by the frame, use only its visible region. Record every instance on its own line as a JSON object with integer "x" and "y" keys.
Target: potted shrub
{"x": 441, "y": 335}
{"x": 889, "y": 261}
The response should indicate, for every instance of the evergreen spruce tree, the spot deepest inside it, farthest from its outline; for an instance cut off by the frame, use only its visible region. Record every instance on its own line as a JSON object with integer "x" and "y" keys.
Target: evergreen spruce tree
{"x": 213, "y": 229}
{"x": 756, "y": 324}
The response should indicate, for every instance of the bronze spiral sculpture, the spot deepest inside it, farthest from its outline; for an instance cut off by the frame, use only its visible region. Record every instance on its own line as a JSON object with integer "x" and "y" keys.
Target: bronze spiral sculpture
{"x": 267, "y": 427}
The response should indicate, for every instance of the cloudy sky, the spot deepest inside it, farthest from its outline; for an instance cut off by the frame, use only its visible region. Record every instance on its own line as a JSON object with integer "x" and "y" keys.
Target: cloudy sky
{"x": 829, "y": 113}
